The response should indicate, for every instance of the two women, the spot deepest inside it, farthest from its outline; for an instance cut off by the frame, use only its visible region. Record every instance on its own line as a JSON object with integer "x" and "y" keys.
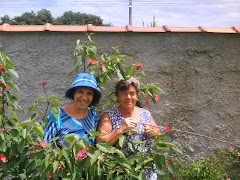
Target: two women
{"x": 78, "y": 118}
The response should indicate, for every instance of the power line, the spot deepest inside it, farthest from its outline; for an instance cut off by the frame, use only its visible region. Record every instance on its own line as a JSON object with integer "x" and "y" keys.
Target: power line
{"x": 111, "y": 4}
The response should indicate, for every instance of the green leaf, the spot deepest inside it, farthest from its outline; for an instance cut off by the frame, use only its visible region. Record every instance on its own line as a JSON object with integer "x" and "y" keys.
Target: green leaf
{"x": 175, "y": 148}
{"x": 68, "y": 159}
{"x": 38, "y": 129}
{"x": 159, "y": 161}
{"x": 55, "y": 112}
{"x": 13, "y": 72}
{"x": 141, "y": 176}
{"x": 14, "y": 132}
{"x": 13, "y": 112}
{"x": 171, "y": 169}
{"x": 34, "y": 116}
{"x": 47, "y": 160}
{"x": 103, "y": 146}
{"x": 70, "y": 137}
{"x": 55, "y": 165}
{"x": 120, "y": 153}
{"x": 105, "y": 106}
{"x": 20, "y": 146}
{"x": 34, "y": 106}
{"x": 94, "y": 156}
{"x": 122, "y": 140}
{"x": 10, "y": 84}
{"x": 130, "y": 145}
{"x": 95, "y": 133}
{"x": 24, "y": 132}
{"x": 3, "y": 146}
{"x": 54, "y": 101}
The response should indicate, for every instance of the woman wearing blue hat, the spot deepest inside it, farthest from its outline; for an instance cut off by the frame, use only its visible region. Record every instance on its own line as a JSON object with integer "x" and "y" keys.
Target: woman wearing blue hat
{"x": 75, "y": 117}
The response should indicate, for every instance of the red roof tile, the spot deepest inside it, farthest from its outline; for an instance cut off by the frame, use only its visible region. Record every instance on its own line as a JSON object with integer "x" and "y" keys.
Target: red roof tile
{"x": 128, "y": 28}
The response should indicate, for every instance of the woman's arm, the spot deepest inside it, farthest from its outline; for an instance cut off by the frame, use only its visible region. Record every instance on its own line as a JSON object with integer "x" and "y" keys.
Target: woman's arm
{"x": 151, "y": 131}
{"x": 109, "y": 136}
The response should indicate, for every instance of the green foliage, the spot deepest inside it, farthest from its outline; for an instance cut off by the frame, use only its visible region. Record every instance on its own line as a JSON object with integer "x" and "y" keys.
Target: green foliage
{"x": 6, "y": 19}
{"x": 71, "y": 18}
{"x": 24, "y": 154}
{"x": 44, "y": 16}
{"x": 154, "y": 22}
{"x": 217, "y": 166}
{"x": 107, "y": 68}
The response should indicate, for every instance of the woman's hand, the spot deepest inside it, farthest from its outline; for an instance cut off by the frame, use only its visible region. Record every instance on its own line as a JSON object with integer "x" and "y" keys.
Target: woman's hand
{"x": 128, "y": 123}
{"x": 149, "y": 131}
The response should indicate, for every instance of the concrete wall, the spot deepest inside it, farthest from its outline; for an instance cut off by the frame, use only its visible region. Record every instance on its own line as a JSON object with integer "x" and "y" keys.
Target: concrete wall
{"x": 203, "y": 69}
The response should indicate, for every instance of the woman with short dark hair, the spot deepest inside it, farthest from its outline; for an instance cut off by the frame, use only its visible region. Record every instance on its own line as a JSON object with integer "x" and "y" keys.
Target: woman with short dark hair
{"x": 117, "y": 121}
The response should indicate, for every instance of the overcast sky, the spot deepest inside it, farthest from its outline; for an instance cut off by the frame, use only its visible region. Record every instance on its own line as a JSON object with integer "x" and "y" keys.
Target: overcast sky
{"x": 175, "y": 13}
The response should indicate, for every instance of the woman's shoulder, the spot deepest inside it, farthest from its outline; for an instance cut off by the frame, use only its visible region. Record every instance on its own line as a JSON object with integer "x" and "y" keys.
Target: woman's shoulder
{"x": 112, "y": 110}
{"x": 144, "y": 111}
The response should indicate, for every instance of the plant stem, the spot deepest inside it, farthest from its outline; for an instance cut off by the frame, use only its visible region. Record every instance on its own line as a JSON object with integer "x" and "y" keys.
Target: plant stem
{"x": 195, "y": 134}
{"x": 201, "y": 135}
{"x": 48, "y": 102}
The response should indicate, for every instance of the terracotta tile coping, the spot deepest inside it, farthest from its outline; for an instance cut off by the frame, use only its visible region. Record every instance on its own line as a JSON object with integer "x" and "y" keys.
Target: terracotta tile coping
{"x": 128, "y": 28}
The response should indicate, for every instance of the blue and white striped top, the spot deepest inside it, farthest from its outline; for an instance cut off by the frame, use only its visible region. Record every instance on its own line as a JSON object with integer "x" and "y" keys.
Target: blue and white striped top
{"x": 65, "y": 125}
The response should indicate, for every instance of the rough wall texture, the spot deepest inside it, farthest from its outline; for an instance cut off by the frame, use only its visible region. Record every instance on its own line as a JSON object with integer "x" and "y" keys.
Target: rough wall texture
{"x": 203, "y": 69}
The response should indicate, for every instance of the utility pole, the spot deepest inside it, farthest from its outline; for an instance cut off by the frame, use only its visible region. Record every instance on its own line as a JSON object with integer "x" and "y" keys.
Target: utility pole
{"x": 130, "y": 12}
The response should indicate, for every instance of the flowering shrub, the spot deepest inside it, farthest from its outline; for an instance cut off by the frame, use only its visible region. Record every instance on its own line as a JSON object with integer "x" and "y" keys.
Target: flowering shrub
{"x": 24, "y": 154}
{"x": 216, "y": 166}
{"x": 112, "y": 67}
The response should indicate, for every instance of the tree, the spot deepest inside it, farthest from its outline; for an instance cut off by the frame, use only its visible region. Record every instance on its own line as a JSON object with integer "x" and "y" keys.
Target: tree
{"x": 71, "y": 18}
{"x": 6, "y": 19}
{"x": 44, "y": 16}
{"x": 27, "y": 18}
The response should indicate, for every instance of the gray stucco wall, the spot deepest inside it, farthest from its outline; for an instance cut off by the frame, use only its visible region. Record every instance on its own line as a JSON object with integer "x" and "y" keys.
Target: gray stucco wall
{"x": 203, "y": 69}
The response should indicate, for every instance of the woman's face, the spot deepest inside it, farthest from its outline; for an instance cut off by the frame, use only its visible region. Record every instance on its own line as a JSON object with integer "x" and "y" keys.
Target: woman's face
{"x": 83, "y": 97}
{"x": 127, "y": 98}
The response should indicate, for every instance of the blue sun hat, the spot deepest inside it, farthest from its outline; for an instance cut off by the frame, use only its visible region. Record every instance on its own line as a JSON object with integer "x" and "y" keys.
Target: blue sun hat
{"x": 83, "y": 80}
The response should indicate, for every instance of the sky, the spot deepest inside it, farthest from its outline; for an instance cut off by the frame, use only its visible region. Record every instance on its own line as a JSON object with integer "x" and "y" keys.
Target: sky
{"x": 174, "y": 13}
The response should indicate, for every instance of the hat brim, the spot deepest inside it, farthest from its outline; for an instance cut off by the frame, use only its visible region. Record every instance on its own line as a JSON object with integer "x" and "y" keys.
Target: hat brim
{"x": 68, "y": 92}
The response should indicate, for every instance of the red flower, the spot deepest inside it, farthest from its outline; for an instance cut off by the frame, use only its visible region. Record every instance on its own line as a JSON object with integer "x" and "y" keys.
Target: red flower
{"x": 146, "y": 103}
{"x": 101, "y": 65}
{"x": 92, "y": 61}
{"x": 169, "y": 127}
{"x": 156, "y": 97}
{"x": 125, "y": 41}
{"x": 50, "y": 175}
{"x": 3, "y": 158}
{"x": 2, "y": 71}
{"x": 81, "y": 154}
{"x": 43, "y": 83}
{"x": 4, "y": 85}
{"x": 43, "y": 144}
{"x": 138, "y": 66}
{"x": 168, "y": 84}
